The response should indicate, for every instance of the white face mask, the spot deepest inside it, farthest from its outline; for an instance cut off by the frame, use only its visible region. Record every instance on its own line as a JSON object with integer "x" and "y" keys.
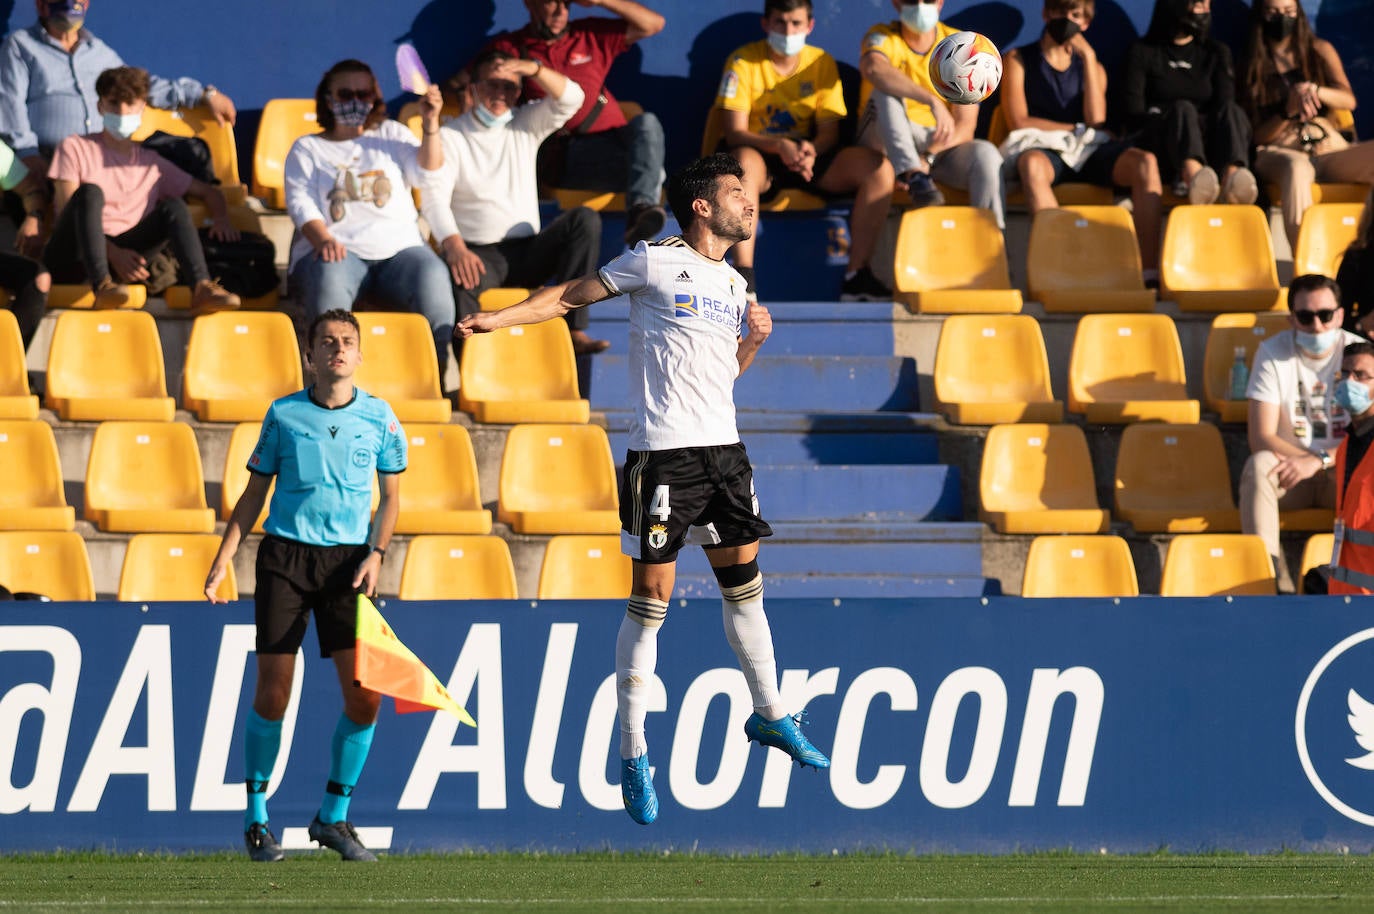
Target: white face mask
{"x": 787, "y": 45}
{"x": 487, "y": 119}
{"x": 920, "y": 17}
{"x": 123, "y": 125}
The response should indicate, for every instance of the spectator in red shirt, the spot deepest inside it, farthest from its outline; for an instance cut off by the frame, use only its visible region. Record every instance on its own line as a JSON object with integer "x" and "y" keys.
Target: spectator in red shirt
{"x": 597, "y": 149}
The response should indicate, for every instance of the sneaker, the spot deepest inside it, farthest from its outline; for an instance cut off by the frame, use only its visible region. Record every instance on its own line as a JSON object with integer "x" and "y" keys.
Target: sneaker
{"x": 585, "y": 345}
{"x": 1240, "y": 188}
{"x": 262, "y": 844}
{"x": 921, "y": 189}
{"x": 864, "y": 286}
{"x": 643, "y": 223}
{"x": 1204, "y": 187}
{"x": 341, "y": 837}
{"x": 785, "y": 734}
{"x": 110, "y": 294}
{"x": 637, "y": 789}
{"x": 210, "y": 296}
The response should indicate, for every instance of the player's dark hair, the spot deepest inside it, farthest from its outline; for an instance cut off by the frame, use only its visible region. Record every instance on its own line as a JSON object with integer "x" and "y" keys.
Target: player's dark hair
{"x": 1308, "y": 283}
{"x": 334, "y": 314}
{"x": 324, "y": 115}
{"x": 698, "y": 182}
{"x": 786, "y": 6}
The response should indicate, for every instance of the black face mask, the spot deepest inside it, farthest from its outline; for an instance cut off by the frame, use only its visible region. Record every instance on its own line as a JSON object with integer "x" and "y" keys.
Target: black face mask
{"x": 1277, "y": 28}
{"x": 1061, "y": 30}
{"x": 1196, "y": 24}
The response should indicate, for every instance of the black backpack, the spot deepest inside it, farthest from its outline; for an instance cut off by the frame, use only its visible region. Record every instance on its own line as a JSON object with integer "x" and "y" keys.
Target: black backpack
{"x": 247, "y": 267}
{"x": 189, "y": 153}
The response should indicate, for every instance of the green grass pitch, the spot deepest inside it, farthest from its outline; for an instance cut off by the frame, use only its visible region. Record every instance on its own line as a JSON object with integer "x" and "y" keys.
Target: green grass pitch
{"x": 689, "y": 882}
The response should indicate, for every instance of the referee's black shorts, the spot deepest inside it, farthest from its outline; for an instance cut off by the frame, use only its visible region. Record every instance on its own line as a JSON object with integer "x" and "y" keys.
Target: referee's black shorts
{"x": 295, "y": 578}
{"x": 701, "y": 495}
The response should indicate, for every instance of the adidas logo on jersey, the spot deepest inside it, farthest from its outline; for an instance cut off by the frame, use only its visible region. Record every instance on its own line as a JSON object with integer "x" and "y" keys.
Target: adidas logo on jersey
{"x": 683, "y": 277}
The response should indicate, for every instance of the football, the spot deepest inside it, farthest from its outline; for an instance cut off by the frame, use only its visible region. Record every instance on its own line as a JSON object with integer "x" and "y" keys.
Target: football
{"x": 965, "y": 68}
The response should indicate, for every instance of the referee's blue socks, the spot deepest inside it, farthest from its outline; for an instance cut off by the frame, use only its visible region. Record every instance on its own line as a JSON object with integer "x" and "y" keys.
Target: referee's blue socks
{"x": 261, "y": 741}
{"x": 348, "y": 754}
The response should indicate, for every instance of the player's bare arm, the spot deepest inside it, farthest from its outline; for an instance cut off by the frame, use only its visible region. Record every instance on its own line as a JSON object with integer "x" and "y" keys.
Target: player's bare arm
{"x": 246, "y": 512}
{"x": 760, "y": 324}
{"x": 547, "y": 303}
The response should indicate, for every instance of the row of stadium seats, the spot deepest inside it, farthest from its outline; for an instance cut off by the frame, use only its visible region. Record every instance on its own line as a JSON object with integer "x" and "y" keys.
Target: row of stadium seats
{"x": 148, "y": 477}
{"x": 172, "y": 566}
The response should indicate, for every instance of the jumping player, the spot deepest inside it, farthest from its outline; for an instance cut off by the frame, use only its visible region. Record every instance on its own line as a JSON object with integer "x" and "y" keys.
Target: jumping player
{"x": 687, "y": 476}
{"x": 323, "y": 445}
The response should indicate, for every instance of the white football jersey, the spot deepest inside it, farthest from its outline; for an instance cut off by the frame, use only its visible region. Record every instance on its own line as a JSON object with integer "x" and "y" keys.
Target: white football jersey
{"x": 686, "y": 316}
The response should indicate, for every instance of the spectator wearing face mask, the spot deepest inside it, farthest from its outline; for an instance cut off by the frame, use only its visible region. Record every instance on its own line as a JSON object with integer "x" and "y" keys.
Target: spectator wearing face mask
{"x": 1352, "y": 570}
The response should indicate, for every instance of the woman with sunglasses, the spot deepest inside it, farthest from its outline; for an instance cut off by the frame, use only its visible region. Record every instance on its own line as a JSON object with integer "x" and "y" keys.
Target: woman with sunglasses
{"x": 347, "y": 193}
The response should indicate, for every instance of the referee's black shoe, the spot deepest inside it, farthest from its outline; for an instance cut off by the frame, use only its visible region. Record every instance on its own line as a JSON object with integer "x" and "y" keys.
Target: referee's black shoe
{"x": 341, "y": 837}
{"x": 262, "y": 844}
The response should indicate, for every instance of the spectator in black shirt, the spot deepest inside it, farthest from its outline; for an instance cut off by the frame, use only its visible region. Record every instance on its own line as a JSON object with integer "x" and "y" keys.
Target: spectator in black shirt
{"x": 1180, "y": 104}
{"x": 1356, "y": 275}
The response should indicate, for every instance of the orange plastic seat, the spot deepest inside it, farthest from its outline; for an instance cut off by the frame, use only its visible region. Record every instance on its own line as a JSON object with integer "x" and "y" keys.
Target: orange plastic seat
{"x": 1038, "y": 478}
{"x": 953, "y": 260}
{"x": 526, "y": 373}
{"x": 1219, "y": 258}
{"x": 1326, "y": 230}
{"x": 1086, "y": 259}
{"x": 400, "y": 366}
{"x": 558, "y": 479}
{"x": 1129, "y": 368}
{"x": 502, "y": 297}
{"x": 439, "y": 490}
{"x": 992, "y": 368}
{"x": 236, "y": 473}
{"x": 171, "y": 566}
{"x": 1213, "y": 565}
{"x": 1316, "y": 552}
{"x": 284, "y": 120}
{"x": 49, "y": 562}
{"x": 146, "y": 477}
{"x": 16, "y": 400}
{"x": 585, "y": 568}
{"x": 1231, "y": 332}
{"x": 31, "y": 492}
{"x": 1174, "y": 479}
{"x": 107, "y": 365}
{"x": 237, "y": 363}
{"x": 1079, "y": 566}
{"x": 456, "y": 567}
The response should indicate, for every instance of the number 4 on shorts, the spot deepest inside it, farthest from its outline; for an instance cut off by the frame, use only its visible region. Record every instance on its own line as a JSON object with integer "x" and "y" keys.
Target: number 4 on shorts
{"x": 659, "y": 506}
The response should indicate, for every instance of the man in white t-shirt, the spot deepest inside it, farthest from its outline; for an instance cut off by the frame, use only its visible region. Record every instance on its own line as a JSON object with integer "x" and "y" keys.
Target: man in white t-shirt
{"x": 1294, "y": 424}
{"x": 687, "y": 476}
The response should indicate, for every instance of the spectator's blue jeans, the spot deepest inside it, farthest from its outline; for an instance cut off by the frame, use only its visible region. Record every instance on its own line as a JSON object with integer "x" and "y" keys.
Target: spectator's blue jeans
{"x": 628, "y": 158}
{"x": 415, "y": 279}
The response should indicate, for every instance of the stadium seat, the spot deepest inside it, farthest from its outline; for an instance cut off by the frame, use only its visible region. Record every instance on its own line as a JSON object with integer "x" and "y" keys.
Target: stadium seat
{"x": 1317, "y": 552}
{"x": 1079, "y": 566}
{"x": 16, "y": 401}
{"x": 1219, "y": 258}
{"x": 146, "y": 477}
{"x": 200, "y": 122}
{"x": 584, "y": 568}
{"x": 241, "y": 443}
{"x": 399, "y": 365}
{"x": 284, "y": 120}
{"x": 526, "y": 373}
{"x": 1039, "y": 479}
{"x": 1070, "y": 193}
{"x": 171, "y": 566}
{"x": 439, "y": 492}
{"x": 502, "y": 297}
{"x": 31, "y": 492}
{"x": 1129, "y": 368}
{"x": 1217, "y": 564}
{"x": 558, "y": 479}
{"x": 107, "y": 365}
{"x": 1174, "y": 479}
{"x": 237, "y": 363}
{"x": 455, "y": 567}
{"x": 953, "y": 260}
{"x": 1327, "y": 229}
{"x": 1231, "y": 332}
{"x": 48, "y": 562}
{"x": 79, "y": 297}
{"x": 1086, "y": 259}
{"x": 992, "y": 368}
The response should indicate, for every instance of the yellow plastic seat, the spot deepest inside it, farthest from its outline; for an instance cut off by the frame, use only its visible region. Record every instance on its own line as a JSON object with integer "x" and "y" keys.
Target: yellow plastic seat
{"x": 1079, "y": 566}
{"x": 146, "y": 477}
{"x": 49, "y": 562}
{"x": 558, "y": 479}
{"x": 200, "y": 122}
{"x": 284, "y": 120}
{"x": 1129, "y": 368}
{"x": 439, "y": 490}
{"x": 1217, "y": 564}
{"x": 171, "y": 566}
{"x": 992, "y": 368}
{"x": 79, "y": 297}
{"x": 953, "y": 260}
{"x": 1219, "y": 258}
{"x": 1038, "y": 478}
{"x": 1086, "y": 259}
{"x": 526, "y": 373}
{"x": 502, "y": 297}
{"x": 1174, "y": 479}
{"x": 1315, "y": 553}
{"x": 237, "y": 363}
{"x": 585, "y": 568}
{"x": 1231, "y": 332}
{"x": 1326, "y": 230}
{"x": 16, "y": 400}
{"x": 107, "y": 365}
{"x": 236, "y": 473}
{"x": 31, "y": 492}
{"x": 400, "y": 366}
{"x": 456, "y": 567}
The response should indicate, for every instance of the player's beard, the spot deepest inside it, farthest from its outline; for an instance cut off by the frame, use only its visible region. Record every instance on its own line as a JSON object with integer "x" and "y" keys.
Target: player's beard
{"x": 733, "y": 228}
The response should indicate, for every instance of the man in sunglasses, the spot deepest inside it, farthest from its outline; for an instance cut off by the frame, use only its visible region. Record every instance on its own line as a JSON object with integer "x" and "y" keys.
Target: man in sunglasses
{"x": 1295, "y": 424}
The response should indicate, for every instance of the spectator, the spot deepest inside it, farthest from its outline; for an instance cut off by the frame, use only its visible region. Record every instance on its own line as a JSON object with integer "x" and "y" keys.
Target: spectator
{"x": 483, "y": 204}
{"x": 1294, "y": 423}
{"x": 783, "y": 104}
{"x": 1292, "y": 80}
{"x": 1352, "y": 570}
{"x": 597, "y": 148}
{"x": 26, "y": 278}
{"x": 1180, "y": 104}
{"x": 924, "y": 136}
{"x": 357, "y": 228}
{"x": 1355, "y": 275}
{"x": 1054, "y": 96}
{"x": 118, "y": 204}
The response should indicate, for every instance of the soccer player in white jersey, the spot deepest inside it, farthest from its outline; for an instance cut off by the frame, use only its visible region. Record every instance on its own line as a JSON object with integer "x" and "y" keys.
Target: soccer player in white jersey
{"x": 687, "y": 476}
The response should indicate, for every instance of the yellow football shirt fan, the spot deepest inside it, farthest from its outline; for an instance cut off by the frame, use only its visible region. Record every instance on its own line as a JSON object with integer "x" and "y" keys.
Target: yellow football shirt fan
{"x": 886, "y": 37}
{"x": 780, "y": 106}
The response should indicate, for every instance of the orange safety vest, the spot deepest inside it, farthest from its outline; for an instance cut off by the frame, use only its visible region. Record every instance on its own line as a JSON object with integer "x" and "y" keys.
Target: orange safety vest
{"x": 1352, "y": 572}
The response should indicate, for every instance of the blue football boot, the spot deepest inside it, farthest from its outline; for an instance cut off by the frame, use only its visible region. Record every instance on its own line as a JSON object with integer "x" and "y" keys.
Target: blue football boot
{"x": 637, "y": 789}
{"x": 785, "y": 734}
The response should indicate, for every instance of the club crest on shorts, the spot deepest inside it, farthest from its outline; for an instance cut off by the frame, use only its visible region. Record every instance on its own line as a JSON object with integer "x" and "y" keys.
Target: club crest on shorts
{"x": 658, "y": 536}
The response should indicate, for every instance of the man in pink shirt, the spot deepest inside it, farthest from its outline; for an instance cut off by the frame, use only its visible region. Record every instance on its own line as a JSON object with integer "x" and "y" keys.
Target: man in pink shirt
{"x": 118, "y": 204}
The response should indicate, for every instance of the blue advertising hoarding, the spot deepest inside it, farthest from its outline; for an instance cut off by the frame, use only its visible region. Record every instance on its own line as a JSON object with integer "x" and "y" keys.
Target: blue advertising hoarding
{"x": 956, "y": 725}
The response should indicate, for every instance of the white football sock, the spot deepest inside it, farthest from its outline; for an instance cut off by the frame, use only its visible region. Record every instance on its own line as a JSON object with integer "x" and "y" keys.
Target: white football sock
{"x": 746, "y": 628}
{"x": 636, "y": 655}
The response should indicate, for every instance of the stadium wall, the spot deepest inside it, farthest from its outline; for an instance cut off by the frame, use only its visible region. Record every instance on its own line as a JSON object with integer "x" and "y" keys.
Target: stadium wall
{"x": 991, "y": 725}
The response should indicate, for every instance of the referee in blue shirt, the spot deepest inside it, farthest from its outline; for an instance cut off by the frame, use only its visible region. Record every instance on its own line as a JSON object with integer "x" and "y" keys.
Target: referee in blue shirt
{"x": 322, "y": 444}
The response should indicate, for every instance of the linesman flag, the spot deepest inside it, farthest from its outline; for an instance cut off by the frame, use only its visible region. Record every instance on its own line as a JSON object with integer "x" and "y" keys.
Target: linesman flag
{"x": 383, "y": 664}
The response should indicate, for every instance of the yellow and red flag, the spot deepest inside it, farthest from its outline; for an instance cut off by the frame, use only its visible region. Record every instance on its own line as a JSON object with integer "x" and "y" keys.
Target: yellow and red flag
{"x": 383, "y": 664}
